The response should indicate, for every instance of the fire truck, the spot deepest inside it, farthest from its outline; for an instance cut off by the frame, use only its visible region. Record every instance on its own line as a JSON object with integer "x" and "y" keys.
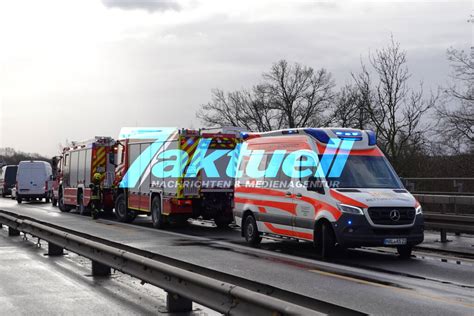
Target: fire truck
{"x": 158, "y": 173}
{"x": 74, "y": 169}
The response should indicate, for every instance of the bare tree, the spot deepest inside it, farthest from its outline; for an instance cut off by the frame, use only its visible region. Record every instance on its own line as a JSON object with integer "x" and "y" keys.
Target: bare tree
{"x": 394, "y": 108}
{"x": 456, "y": 113}
{"x": 300, "y": 93}
{"x": 350, "y": 108}
{"x": 289, "y": 96}
{"x": 241, "y": 108}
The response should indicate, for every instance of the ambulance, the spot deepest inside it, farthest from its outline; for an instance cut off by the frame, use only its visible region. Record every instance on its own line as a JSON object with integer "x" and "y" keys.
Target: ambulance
{"x": 330, "y": 186}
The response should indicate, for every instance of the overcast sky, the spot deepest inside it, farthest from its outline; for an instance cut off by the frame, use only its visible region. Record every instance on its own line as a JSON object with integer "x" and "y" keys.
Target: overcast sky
{"x": 75, "y": 69}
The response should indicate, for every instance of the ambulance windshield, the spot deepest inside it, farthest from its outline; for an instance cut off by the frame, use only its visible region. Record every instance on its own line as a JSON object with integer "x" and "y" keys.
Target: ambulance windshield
{"x": 366, "y": 172}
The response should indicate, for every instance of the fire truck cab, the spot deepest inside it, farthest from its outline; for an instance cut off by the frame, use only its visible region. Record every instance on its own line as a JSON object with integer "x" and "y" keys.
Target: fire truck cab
{"x": 330, "y": 186}
{"x": 74, "y": 169}
{"x": 157, "y": 174}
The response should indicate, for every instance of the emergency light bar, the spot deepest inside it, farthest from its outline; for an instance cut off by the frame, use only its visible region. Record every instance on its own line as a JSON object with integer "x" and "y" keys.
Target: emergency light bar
{"x": 348, "y": 134}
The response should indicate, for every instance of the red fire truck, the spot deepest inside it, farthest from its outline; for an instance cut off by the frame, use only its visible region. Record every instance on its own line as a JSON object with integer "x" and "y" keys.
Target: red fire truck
{"x": 74, "y": 169}
{"x": 153, "y": 176}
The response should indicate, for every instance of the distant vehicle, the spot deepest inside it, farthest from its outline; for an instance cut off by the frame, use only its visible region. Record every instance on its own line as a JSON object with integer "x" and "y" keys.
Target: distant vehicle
{"x": 7, "y": 179}
{"x": 74, "y": 169}
{"x": 34, "y": 181}
{"x": 358, "y": 201}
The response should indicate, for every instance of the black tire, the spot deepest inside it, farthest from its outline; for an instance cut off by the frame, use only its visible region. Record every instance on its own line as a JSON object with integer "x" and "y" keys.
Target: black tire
{"x": 404, "y": 251}
{"x": 121, "y": 210}
{"x": 54, "y": 201}
{"x": 328, "y": 241}
{"x": 63, "y": 207}
{"x": 251, "y": 233}
{"x": 18, "y": 200}
{"x": 4, "y": 194}
{"x": 157, "y": 218}
{"x": 46, "y": 200}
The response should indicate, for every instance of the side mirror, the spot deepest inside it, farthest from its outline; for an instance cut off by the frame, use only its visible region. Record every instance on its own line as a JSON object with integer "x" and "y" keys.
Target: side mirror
{"x": 316, "y": 185}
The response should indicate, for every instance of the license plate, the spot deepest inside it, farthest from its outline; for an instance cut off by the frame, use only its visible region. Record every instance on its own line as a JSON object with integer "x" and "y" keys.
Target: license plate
{"x": 395, "y": 241}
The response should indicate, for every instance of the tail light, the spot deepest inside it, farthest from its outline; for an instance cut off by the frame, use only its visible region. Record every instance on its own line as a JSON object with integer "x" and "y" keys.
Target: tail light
{"x": 182, "y": 202}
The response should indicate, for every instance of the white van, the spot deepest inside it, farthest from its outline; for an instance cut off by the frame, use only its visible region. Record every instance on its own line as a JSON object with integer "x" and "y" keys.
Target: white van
{"x": 330, "y": 186}
{"x": 34, "y": 181}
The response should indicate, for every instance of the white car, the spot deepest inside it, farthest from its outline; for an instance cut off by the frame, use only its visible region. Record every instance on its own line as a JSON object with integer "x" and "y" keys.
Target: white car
{"x": 34, "y": 181}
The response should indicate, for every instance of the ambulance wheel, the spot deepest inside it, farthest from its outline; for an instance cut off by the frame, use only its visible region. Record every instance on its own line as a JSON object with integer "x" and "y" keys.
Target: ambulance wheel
{"x": 251, "y": 233}
{"x": 121, "y": 210}
{"x": 404, "y": 251}
{"x": 328, "y": 241}
{"x": 157, "y": 218}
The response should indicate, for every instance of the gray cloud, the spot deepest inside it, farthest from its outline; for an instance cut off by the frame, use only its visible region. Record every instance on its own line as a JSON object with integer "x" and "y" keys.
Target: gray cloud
{"x": 148, "y": 5}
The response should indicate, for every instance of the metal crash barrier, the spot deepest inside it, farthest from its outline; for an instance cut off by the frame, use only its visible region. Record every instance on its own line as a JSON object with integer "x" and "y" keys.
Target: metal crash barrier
{"x": 448, "y": 218}
{"x": 183, "y": 287}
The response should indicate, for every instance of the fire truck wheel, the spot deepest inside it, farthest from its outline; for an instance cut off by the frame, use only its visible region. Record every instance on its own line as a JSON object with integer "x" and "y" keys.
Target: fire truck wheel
{"x": 63, "y": 207}
{"x": 252, "y": 236}
{"x": 328, "y": 241}
{"x": 156, "y": 216}
{"x": 121, "y": 210}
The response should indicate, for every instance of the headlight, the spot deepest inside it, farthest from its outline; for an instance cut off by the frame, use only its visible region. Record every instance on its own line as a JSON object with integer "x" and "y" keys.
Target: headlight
{"x": 419, "y": 210}
{"x": 350, "y": 209}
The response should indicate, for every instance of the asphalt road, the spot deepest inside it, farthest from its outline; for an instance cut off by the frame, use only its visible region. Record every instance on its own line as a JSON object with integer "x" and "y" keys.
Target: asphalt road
{"x": 370, "y": 281}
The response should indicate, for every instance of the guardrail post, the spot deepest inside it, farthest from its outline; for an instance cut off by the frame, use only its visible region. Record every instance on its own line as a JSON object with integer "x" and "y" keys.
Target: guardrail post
{"x": 444, "y": 237}
{"x": 99, "y": 269}
{"x": 55, "y": 250}
{"x": 13, "y": 232}
{"x": 178, "y": 304}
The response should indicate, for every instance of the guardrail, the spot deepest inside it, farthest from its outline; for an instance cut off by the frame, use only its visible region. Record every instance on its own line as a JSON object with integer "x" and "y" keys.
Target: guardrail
{"x": 183, "y": 286}
{"x": 445, "y": 221}
{"x": 440, "y": 185}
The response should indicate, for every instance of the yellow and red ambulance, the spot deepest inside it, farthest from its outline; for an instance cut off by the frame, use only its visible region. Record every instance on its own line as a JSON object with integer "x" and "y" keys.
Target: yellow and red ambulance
{"x": 330, "y": 186}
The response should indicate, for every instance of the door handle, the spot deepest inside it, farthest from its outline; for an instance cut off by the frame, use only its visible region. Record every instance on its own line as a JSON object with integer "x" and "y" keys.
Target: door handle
{"x": 299, "y": 195}
{"x": 288, "y": 194}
